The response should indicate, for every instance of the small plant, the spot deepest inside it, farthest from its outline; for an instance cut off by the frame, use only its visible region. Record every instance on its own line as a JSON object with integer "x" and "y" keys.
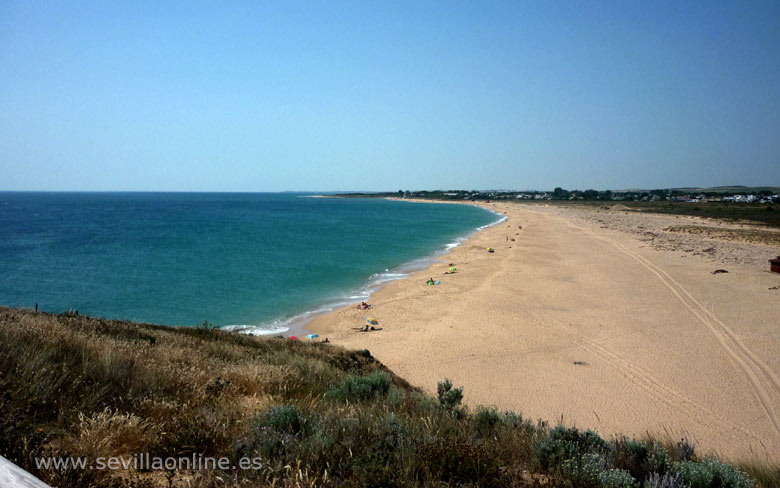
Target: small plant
{"x": 667, "y": 480}
{"x": 274, "y": 433}
{"x": 658, "y": 460}
{"x": 685, "y": 451}
{"x": 637, "y": 457}
{"x": 361, "y": 388}
{"x": 485, "y": 419}
{"x": 712, "y": 474}
{"x": 565, "y": 443}
{"x": 583, "y": 471}
{"x": 449, "y": 398}
{"x": 287, "y": 419}
{"x": 616, "y": 478}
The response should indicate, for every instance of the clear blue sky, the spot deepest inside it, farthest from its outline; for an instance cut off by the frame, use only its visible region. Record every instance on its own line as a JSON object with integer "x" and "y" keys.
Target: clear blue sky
{"x": 266, "y": 96}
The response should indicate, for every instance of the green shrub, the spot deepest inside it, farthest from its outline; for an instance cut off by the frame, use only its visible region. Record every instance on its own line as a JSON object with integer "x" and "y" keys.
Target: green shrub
{"x": 658, "y": 460}
{"x": 616, "y": 478}
{"x": 361, "y": 388}
{"x": 274, "y": 433}
{"x": 512, "y": 419}
{"x": 711, "y": 474}
{"x": 395, "y": 398}
{"x": 485, "y": 420}
{"x": 287, "y": 419}
{"x": 489, "y": 421}
{"x": 417, "y": 404}
{"x": 583, "y": 471}
{"x": 565, "y": 443}
{"x": 638, "y": 458}
{"x": 449, "y": 398}
{"x": 548, "y": 452}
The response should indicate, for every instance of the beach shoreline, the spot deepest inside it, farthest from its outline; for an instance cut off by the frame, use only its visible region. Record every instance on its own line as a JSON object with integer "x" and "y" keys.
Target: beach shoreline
{"x": 571, "y": 318}
{"x": 297, "y": 326}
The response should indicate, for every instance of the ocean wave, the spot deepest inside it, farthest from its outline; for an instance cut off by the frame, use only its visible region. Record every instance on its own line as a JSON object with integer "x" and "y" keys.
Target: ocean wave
{"x": 256, "y": 330}
{"x": 375, "y": 282}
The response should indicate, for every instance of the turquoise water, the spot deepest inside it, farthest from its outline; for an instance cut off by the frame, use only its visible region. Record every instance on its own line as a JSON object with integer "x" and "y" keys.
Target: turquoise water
{"x": 251, "y": 259}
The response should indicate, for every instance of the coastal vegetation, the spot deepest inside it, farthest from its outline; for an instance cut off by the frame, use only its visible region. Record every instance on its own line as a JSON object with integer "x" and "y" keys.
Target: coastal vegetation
{"x": 752, "y": 235}
{"x": 316, "y": 414}
{"x": 759, "y": 205}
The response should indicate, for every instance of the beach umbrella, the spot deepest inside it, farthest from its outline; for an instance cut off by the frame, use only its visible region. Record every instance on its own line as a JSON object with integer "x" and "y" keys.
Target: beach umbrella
{"x": 312, "y": 336}
{"x": 293, "y": 338}
{"x": 372, "y": 321}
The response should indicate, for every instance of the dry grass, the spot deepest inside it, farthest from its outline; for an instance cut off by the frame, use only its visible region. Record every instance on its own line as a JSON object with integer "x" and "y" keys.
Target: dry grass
{"x": 318, "y": 415}
{"x": 753, "y": 236}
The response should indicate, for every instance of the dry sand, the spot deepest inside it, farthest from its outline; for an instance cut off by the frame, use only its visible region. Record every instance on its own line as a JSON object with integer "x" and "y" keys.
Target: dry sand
{"x": 582, "y": 317}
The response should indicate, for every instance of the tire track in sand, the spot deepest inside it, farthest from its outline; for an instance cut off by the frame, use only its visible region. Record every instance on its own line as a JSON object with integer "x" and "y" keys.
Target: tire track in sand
{"x": 764, "y": 382}
{"x": 661, "y": 392}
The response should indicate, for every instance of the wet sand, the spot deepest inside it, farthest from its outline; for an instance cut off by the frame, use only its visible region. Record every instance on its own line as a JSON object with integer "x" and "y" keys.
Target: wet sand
{"x": 581, "y": 320}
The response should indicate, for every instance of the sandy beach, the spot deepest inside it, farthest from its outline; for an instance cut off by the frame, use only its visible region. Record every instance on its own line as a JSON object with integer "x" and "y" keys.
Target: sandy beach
{"x": 599, "y": 318}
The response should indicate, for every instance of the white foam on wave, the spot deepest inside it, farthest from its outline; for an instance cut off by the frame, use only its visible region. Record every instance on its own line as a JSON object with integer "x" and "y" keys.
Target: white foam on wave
{"x": 256, "y": 329}
{"x": 375, "y": 282}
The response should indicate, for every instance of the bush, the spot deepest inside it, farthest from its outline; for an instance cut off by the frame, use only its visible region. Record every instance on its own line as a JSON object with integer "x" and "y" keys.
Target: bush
{"x": 565, "y": 443}
{"x": 583, "y": 471}
{"x": 639, "y": 458}
{"x": 485, "y": 420}
{"x": 287, "y": 419}
{"x": 616, "y": 478}
{"x": 274, "y": 433}
{"x": 658, "y": 461}
{"x": 361, "y": 388}
{"x": 449, "y": 398}
{"x": 657, "y": 480}
{"x": 711, "y": 474}
{"x": 489, "y": 421}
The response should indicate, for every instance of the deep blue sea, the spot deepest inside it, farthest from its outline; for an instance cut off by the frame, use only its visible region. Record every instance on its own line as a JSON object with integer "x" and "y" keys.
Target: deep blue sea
{"x": 261, "y": 260}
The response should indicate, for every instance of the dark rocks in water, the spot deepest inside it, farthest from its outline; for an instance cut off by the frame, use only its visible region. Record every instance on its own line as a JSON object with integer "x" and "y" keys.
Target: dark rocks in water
{"x": 719, "y": 271}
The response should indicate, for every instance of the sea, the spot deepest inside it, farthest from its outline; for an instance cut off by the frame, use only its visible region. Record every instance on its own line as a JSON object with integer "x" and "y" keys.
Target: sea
{"x": 256, "y": 262}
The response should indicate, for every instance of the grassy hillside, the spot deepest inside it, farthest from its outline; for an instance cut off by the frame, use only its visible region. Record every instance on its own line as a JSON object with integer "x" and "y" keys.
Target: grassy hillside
{"x": 316, "y": 414}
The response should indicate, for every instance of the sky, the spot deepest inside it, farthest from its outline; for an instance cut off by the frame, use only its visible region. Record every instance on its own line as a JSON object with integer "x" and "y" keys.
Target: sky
{"x": 382, "y": 96}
